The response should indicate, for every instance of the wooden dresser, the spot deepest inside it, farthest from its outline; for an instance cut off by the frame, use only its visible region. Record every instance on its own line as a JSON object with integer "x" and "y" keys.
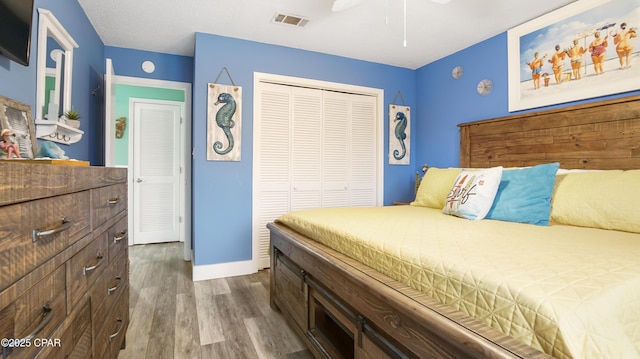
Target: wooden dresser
{"x": 64, "y": 266}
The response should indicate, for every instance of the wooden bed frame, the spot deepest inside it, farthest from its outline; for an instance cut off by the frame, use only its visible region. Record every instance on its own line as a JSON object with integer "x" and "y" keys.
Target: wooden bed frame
{"x": 344, "y": 309}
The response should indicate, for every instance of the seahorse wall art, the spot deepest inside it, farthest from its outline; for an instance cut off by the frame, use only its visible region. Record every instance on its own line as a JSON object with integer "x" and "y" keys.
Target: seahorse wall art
{"x": 224, "y": 122}
{"x": 401, "y": 135}
{"x": 399, "y": 139}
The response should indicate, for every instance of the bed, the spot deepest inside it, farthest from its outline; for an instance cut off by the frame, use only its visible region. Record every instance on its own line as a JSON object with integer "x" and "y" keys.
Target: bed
{"x": 415, "y": 282}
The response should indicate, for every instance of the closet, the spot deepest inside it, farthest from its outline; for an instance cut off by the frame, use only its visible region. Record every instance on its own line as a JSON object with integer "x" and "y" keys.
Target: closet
{"x": 313, "y": 147}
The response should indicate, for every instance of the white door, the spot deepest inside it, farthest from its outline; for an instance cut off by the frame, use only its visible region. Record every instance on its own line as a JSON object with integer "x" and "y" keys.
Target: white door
{"x": 363, "y": 182}
{"x": 156, "y": 172}
{"x": 306, "y": 148}
{"x": 272, "y": 164}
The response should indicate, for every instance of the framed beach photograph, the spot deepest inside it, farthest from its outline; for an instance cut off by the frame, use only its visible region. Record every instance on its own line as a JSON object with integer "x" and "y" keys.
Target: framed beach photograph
{"x": 587, "y": 49}
{"x": 17, "y": 128}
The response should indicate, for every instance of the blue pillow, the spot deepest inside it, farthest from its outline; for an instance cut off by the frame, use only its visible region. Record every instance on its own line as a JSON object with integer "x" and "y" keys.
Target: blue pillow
{"x": 524, "y": 195}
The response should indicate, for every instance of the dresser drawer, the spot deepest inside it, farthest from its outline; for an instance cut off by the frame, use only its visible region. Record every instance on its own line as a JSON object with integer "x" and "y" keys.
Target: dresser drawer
{"x": 121, "y": 313}
{"x": 33, "y": 232}
{"x": 112, "y": 331}
{"x": 85, "y": 267}
{"x": 108, "y": 288}
{"x": 106, "y": 202}
{"x": 35, "y": 314}
{"x": 26, "y": 182}
{"x": 118, "y": 238}
{"x": 72, "y": 340}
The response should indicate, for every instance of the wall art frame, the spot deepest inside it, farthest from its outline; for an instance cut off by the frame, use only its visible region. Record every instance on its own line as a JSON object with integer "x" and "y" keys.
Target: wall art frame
{"x": 16, "y": 117}
{"x": 563, "y": 72}
{"x": 224, "y": 122}
{"x": 399, "y": 135}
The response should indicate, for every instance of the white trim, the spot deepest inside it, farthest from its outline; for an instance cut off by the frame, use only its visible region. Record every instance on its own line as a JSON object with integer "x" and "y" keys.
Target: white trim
{"x": 185, "y": 158}
{"x": 222, "y": 270}
{"x": 318, "y": 84}
{"x": 259, "y": 77}
{"x": 48, "y": 25}
{"x": 139, "y": 81}
{"x": 109, "y": 102}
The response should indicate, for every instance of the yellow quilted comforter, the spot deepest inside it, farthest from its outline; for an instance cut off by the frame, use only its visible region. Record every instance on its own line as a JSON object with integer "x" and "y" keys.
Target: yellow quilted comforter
{"x": 569, "y": 291}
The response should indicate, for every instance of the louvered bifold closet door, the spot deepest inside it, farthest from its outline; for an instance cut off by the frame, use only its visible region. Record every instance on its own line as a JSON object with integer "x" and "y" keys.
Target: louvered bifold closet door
{"x": 312, "y": 148}
{"x": 336, "y": 130}
{"x": 306, "y": 149}
{"x": 273, "y": 163}
{"x": 363, "y": 168}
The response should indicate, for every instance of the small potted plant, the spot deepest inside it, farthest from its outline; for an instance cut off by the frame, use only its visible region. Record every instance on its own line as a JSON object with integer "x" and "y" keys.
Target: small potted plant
{"x": 72, "y": 118}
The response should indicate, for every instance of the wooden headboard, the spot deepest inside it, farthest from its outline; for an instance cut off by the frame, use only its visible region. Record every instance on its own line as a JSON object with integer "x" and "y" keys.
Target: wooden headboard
{"x": 601, "y": 135}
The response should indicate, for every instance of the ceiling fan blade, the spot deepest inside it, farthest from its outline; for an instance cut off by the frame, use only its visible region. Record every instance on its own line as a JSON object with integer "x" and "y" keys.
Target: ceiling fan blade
{"x": 341, "y": 5}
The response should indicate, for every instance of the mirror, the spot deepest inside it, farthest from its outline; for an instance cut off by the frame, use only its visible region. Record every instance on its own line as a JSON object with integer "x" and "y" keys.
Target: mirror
{"x": 53, "y": 82}
{"x": 54, "y": 68}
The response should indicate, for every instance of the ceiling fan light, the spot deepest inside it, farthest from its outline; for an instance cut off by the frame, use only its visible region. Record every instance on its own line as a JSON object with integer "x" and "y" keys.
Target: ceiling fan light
{"x": 340, "y": 5}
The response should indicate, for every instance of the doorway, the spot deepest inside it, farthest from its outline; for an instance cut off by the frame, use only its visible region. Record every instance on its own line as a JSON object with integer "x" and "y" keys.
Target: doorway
{"x": 118, "y": 92}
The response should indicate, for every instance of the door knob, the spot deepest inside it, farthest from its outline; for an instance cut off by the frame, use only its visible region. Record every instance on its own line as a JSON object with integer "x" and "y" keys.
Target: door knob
{"x": 139, "y": 180}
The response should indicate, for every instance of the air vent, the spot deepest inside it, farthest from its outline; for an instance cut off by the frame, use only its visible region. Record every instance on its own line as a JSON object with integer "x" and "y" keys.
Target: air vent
{"x": 286, "y": 19}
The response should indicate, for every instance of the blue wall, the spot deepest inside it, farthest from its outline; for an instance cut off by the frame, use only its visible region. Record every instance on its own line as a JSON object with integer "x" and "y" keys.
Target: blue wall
{"x": 444, "y": 102}
{"x": 128, "y": 62}
{"x": 222, "y": 190}
{"x": 19, "y": 82}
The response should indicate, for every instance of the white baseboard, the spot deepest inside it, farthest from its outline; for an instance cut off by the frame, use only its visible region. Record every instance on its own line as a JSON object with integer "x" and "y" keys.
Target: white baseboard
{"x": 222, "y": 270}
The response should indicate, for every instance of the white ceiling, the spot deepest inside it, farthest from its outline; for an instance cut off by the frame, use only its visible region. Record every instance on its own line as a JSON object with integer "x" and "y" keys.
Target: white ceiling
{"x": 361, "y": 32}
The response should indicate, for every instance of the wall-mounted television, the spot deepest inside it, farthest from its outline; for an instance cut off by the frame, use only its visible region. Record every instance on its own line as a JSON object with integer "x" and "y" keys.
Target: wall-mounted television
{"x": 15, "y": 29}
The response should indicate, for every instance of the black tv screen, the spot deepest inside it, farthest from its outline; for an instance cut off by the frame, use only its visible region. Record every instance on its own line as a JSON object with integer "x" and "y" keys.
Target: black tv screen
{"x": 15, "y": 29}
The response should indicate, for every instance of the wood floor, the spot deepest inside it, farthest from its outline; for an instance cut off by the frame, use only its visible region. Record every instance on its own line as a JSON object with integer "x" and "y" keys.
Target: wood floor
{"x": 173, "y": 317}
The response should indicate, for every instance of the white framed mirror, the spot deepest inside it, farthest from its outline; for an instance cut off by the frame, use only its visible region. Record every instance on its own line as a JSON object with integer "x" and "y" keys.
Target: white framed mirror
{"x": 53, "y": 41}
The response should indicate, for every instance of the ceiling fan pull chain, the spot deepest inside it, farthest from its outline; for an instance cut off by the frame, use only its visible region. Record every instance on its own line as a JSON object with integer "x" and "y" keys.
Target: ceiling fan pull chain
{"x": 404, "y": 42}
{"x": 386, "y": 12}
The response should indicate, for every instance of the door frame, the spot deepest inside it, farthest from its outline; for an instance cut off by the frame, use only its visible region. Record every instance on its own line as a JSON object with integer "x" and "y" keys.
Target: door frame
{"x": 258, "y": 79}
{"x": 185, "y": 155}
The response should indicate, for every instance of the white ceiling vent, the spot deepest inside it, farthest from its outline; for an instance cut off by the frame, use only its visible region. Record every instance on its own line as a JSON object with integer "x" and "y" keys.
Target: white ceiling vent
{"x": 286, "y": 19}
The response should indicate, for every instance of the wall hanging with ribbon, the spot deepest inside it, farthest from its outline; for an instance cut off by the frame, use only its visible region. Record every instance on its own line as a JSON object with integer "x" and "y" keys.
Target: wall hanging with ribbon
{"x": 399, "y": 132}
{"x": 224, "y": 120}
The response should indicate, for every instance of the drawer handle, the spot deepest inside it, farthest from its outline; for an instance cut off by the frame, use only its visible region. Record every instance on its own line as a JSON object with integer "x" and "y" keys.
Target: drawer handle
{"x": 120, "y": 236}
{"x": 37, "y": 234}
{"x": 115, "y": 287}
{"x": 47, "y": 315}
{"x": 121, "y": 324}
{"x": 113, "y": 201}
{"x": 86, "y": 269}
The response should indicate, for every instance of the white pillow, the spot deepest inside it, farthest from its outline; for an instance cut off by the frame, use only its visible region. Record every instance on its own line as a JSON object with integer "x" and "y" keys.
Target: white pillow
{"x": 473, "y": 193}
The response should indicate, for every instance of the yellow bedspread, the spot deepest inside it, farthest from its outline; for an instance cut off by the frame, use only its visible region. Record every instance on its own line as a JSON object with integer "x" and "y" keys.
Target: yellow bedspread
{"x": 569, "y": 291}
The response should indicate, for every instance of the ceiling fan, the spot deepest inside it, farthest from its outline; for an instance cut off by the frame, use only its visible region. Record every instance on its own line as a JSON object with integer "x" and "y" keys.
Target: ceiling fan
{"x": 340, "y": 5}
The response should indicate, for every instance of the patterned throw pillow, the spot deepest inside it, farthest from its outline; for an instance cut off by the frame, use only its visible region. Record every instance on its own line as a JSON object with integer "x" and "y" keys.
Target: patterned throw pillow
{"x": 473, "y": 192}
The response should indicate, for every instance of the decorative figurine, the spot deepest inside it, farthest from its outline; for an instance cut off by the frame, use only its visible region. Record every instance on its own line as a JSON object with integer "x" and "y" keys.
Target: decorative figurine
{"x": 121, "y": 125}
{"x": 8, "y": 144}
